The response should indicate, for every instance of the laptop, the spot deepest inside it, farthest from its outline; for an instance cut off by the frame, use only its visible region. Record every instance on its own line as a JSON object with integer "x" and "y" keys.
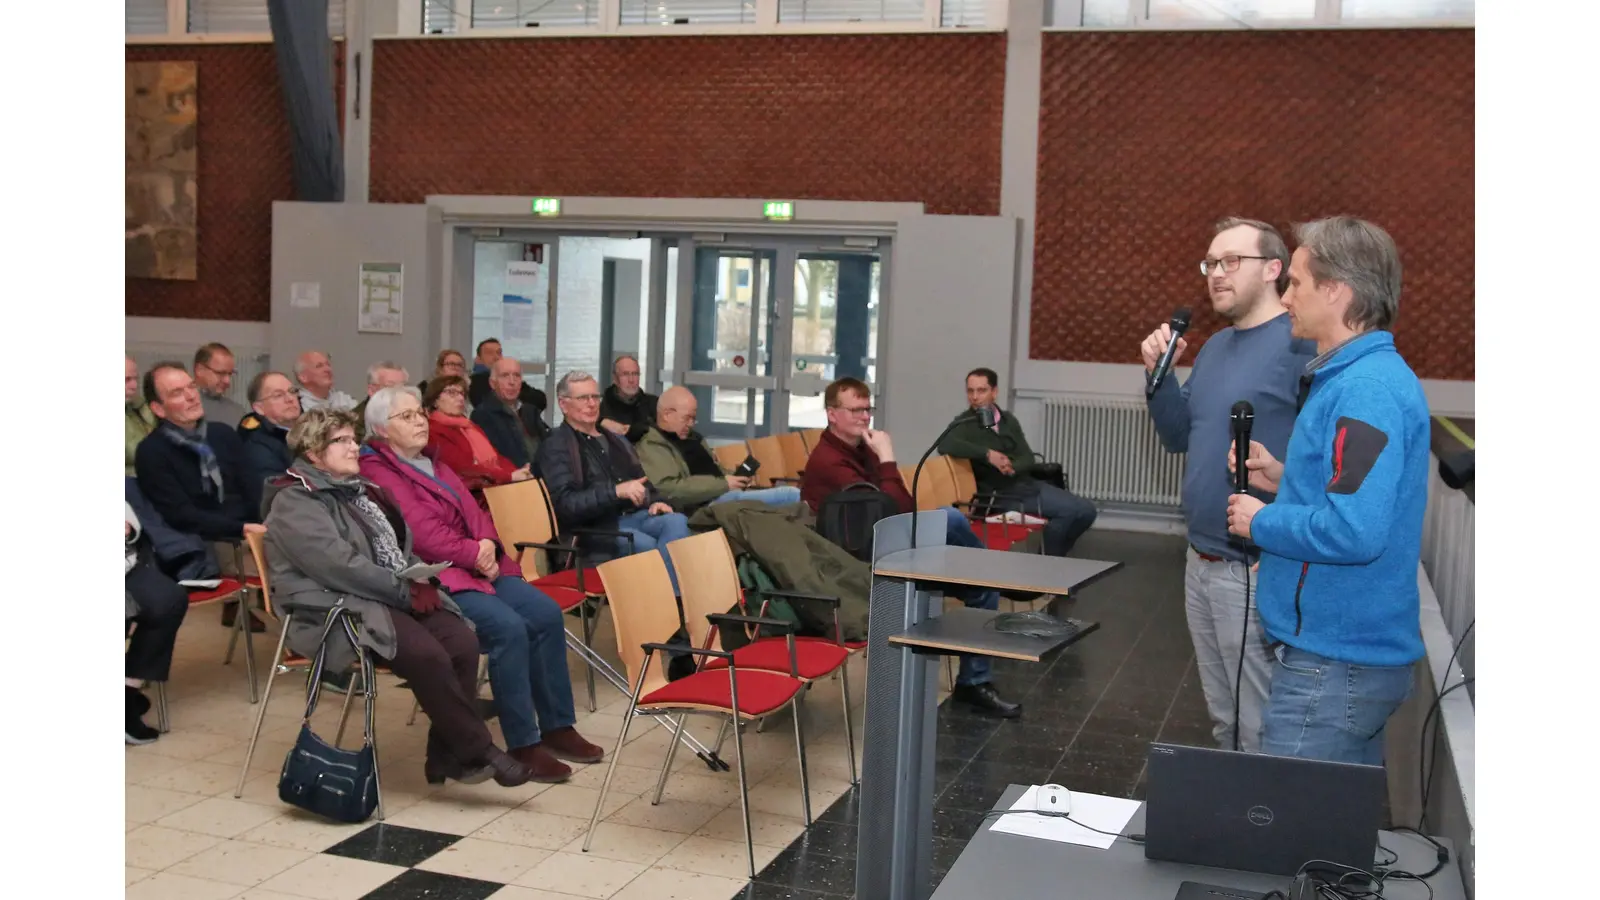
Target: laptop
{"x": 1194, "y": 890}
{"x": 1257, "y": 813}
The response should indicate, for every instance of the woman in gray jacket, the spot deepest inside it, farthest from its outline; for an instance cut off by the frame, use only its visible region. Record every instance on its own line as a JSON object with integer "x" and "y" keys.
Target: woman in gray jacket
{"x": 336, "y": 539}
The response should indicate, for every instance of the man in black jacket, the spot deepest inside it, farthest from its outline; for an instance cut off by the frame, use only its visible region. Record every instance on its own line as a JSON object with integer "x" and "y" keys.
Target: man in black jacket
{"x": 264, "y": 433}
{"x": 191, "y": 472}
{"x": 625, "y": 409}
{"x": 595, "y": 481}
{"x": 512, "y": 424}
{"x": 483, "y": 370}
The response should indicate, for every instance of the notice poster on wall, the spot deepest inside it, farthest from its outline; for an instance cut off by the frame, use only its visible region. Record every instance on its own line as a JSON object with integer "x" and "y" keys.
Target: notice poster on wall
{"x": 380, "y": 298}
{"x": 519, "y": 309}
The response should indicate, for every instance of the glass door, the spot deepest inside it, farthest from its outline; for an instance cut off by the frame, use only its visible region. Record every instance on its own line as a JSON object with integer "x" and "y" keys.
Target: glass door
{"x": 513, "y": 302}
{"x": 833, "y": 316}
{"x": 730, "y": 337}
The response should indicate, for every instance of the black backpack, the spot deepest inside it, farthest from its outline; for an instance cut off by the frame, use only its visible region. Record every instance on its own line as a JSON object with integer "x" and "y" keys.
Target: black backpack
{"x": 846, "y": 517}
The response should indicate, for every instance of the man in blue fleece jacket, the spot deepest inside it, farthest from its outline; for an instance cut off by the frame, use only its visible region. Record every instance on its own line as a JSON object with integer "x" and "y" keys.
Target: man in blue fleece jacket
{"x": 1340, "y": 543}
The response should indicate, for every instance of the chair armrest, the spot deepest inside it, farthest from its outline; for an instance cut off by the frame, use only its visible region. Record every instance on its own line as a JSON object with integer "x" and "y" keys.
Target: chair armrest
{"x": 795, "y": 595}
{"x": 606, "y": 532}
{"x": 731, "y": 619}
{"x": 684, "y": 648}
{"x": 540, "y": 545}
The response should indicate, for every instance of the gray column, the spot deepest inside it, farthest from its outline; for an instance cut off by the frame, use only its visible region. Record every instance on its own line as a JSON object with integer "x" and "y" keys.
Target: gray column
{"x": 1019, "y": 158}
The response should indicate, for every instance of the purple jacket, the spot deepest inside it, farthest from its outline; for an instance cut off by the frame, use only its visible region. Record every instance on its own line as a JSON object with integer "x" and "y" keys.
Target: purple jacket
{"x": 446, "y": 523}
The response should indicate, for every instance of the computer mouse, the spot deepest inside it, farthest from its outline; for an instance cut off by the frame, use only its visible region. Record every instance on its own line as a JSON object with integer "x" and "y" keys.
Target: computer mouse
{"x": 1053, "y": 799}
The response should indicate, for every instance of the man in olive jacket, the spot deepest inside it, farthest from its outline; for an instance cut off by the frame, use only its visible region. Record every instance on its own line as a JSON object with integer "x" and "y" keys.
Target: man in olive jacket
{"x": 682, "y": 467}
{"x": 1002, "y": 462}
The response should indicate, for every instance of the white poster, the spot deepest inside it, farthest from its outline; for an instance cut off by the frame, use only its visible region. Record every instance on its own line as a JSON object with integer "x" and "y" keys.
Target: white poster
{"x": 380, "y": 298}
{"x": 305, "y": 294}
{"x": 521, "y": 309}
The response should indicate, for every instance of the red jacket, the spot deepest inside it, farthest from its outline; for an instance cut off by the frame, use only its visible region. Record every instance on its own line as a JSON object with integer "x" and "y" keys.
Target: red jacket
{"x": 446, "y": 524}
{"x": 835, "y": 465}
{"x": 448, "y": 442}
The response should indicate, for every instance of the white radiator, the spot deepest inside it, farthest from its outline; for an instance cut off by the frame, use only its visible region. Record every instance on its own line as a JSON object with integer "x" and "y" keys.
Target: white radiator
{"x": 1110, "y": 451}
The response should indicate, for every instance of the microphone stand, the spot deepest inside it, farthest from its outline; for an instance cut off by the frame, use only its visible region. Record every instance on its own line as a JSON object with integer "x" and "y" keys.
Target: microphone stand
{"x": 916, "y": 476}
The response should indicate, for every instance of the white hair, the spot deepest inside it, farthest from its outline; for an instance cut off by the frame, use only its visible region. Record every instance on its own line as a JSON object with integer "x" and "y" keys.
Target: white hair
{"x": 577, "y": 376}
{"x": 384, "y": 365}
{"x": 380, "y": 403}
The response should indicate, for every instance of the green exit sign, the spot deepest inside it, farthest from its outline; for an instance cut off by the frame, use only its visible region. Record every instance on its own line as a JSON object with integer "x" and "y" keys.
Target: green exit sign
{"x": 778, "y": 210}
{"x": 547, "y": 206}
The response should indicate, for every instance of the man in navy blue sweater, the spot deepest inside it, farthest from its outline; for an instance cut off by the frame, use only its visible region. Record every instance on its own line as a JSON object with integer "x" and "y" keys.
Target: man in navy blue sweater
{"x": 1253, "y": 359}
{"x": 1340, "y": 543}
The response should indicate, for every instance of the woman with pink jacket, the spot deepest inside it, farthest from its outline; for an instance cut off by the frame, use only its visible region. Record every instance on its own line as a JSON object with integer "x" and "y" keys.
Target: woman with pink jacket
{"x": 519, "y": 626}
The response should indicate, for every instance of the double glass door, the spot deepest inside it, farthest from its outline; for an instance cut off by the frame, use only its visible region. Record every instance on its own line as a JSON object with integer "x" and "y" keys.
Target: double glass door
{"x": 768, "y": 325}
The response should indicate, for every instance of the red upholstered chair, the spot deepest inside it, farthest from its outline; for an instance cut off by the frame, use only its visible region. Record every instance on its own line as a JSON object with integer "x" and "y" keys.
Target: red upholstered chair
{"x": 646, "y": 617}
{"x": 708, "y": 580}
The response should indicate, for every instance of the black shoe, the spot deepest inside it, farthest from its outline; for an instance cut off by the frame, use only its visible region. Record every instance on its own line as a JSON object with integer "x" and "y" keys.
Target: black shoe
{"x": 135, "y": 730}
{"x": 138, "y": 703}
{"x": 985, "y": 699}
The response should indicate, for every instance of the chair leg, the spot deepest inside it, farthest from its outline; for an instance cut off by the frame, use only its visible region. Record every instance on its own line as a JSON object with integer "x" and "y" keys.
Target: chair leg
{"x": 611, "y": 770}
{"x": 261, "y": 710}
{"x": 163, "y": 718}
{"x": 722, "y": 736}
{"x": 595, "y": 662}
{"x": 370, "y": 692}
{"x": 849, "y": 721}
{"x": 744, "y": 791}
{"x": 672, "y": 752}
{"x": 344, "y": 710}
{"x": 244, "y": 619}
{"x": 800, "y": 747}
{"x": 233, "y": 641}
{"x": 588, "y": 641}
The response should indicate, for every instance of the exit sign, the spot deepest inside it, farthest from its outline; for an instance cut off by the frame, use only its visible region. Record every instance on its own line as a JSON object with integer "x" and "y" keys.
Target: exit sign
{"x": 547, "y": 206}
{"x": 778, "y": 210}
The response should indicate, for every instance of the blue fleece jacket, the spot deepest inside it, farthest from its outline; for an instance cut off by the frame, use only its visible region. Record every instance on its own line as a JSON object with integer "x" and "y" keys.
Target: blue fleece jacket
{"x": 1341, "y": 543}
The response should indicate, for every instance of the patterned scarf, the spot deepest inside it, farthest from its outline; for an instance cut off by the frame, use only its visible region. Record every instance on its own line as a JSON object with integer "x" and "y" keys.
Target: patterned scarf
{"x": 195, "y": 442}
{"x": 385, "y": 543}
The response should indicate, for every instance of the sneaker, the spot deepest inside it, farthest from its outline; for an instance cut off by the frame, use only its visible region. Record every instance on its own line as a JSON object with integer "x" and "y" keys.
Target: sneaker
{"x": 135, "y": 731}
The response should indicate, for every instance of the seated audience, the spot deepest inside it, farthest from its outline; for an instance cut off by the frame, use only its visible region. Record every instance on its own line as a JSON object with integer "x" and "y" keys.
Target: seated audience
{"x": 595, "y": 481}
{"x": 520, "y": 626}
{"x": 191, "y": 471}
{"x": 379, "y": 376}
{"x": 851, "y": 452}
{"x": 213, "y": 375}
{"x": 448, "y": 362}
{"x": 264, "y": 432}
{"x": 625, "y": 409}
{"x": 459, "y": 443}
{"x": 336, "y": 539}
{"x": 137, "y": 419}
{"x": 678, "y": 462}
{"x": 483, "y": 369}
{"x": 1002, "y": 462}
{"x": 314, "y": 370}
{"x": 154, "y": 605}
{"x": 511, "y": 423}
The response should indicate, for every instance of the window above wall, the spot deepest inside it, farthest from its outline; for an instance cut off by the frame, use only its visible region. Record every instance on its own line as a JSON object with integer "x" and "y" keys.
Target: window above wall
{"x": 214, "y": 18}
{"x": 1179, "y": 14}
{"x": 497, "y": 17}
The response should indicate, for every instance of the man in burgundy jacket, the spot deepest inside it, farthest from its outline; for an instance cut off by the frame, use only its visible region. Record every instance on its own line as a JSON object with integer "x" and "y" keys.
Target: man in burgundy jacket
{"x": 851, "y": 452}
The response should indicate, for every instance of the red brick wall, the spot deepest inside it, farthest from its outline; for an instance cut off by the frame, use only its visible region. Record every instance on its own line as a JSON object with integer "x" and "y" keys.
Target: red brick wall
{"x": 1147, "y": 139}
{"x": 244, "y": 159}
{"x": 860, "y": 117}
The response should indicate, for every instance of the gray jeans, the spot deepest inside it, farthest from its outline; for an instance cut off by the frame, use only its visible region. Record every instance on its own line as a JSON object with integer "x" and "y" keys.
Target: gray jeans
{"x": 1214, "y": 602}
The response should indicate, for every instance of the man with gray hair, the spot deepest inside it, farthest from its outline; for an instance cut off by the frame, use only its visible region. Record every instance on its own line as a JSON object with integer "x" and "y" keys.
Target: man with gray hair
{"x": 595, "y": 481}
{"x": 1253, "y": 359}
{"x": 213, "y": 374}
{"x": 626, "y": 409}
{"x": 380, "y": 375}
{"x": 314, "y": 370}
{"x": 1341, "y": 541}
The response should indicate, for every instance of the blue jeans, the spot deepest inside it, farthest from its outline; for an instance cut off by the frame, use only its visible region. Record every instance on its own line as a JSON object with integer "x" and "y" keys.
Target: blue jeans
{"x": 1321, "y": 708}
{"x": 958, "y": 533}
{"x": 772, "y": 496}
{"x": 1068, "y": 515}
{"x": 522, "y": 631}
{"x": 653, "y": 533}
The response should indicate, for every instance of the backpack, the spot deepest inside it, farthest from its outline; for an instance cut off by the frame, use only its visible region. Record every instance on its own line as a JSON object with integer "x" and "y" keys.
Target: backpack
{"x": 756, "y": 581}
{"x": 846, "y": 517}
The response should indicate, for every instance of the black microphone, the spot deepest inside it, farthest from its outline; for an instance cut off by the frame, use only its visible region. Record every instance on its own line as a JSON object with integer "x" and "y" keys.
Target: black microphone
{"x": 1243, "y": 418}
{"x": 1179, "y": 324}
{"x": 983, "y": 419}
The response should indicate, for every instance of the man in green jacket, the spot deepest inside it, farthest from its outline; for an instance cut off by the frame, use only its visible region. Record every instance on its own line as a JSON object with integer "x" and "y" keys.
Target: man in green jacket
{"x": 1002, "y": 462}
{"x": 682, "y": 468}
{"x": 138, "y": 420}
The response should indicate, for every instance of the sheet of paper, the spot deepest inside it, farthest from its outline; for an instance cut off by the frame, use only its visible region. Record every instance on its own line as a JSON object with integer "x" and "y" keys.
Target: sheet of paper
{"x": 423, "y": 571}
{"x": 202, "y": 583}
{"x": 1095, "y": 810}
{"x": 305, "y": 294}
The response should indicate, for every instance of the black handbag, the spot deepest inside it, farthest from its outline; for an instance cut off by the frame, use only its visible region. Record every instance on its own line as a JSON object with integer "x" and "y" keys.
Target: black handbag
{"x": 318, "y": 777}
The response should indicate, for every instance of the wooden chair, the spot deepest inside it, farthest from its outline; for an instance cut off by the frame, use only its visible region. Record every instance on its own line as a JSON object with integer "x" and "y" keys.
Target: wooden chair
{"x": 708, "y": 581}
{"x": 774, "y": 469}
{"x": 995, "y": 535}
{"x": 925, "y": 498}
{"x": 794, "y": 455}
{"x": 812, "y": 436}
{"x": 646, "y": 618}
{"x": 729, "y": 456}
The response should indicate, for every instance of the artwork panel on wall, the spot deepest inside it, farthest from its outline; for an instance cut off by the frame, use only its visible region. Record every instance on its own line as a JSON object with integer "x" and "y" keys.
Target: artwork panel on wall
{"x": 162, "y": 170}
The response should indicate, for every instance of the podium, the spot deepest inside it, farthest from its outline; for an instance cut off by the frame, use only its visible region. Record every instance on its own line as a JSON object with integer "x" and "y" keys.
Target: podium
{"x": 907, "y": 630}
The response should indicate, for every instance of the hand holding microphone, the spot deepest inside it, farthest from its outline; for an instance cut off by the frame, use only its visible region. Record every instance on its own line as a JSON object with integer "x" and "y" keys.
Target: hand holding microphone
{"x": 1163, "y": 348}
{"x": 1242, "y": 507}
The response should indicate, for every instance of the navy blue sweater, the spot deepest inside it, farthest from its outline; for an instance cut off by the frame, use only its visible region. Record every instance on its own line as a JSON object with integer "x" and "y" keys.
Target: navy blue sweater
{"x": 1261, "y": 365}
{"x": 169, "y": 476}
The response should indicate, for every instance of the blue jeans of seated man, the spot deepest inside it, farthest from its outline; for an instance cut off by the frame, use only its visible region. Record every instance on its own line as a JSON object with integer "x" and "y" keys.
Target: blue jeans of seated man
{"x": 783, "y": 495}
{"x": 1068, "y": 515}
{"x": 1321, "y": 708}
{"x": 653, "y": 533}
{"x": 958, "y": 533}
{"x": 521, "y": 629}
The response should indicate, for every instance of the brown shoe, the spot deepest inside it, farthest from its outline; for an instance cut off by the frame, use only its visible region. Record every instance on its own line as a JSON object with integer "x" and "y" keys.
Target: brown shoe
{"x": 568, "y": 744}
{"x": 544, "y": 766}
{"x": 508, "y": 770}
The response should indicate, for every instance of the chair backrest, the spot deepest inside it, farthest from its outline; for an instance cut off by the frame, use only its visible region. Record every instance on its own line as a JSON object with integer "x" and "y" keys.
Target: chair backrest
{"x": 812, "y": 437}
{"x": 794, "y": 453}
{"x": 769, "y": 453}
{"x": 926, "y": 495}
{"x": 730, "y": 455}
{"x": 521, "y": 513}
{"x": 643, "y": 611}
{"x": 708, "y": 579}
{"x": 938, "y": 483}
{"x": 966, "y": 482}
{"x": 257, "y": 541}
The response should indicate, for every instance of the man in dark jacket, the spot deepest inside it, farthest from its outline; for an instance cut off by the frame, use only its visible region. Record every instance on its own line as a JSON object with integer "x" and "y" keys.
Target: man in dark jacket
{"x": 264, "y": 432}
{"x": 595, "y": 481}
{"x": 483, "y": 369}
{"x": 512, "y": 424}
{"x": 1001, "y": 462}
{"x": 190, "y": 471}
{"x": 624, "y": 409}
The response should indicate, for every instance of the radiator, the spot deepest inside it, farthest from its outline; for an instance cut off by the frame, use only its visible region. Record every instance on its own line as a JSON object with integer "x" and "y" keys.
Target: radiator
{"x": 1110, "y": 451}
{"x": 247, "y": 363}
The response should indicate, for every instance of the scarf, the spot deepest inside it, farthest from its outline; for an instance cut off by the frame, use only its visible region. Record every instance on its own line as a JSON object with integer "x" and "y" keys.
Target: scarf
{"x": 483, "y": 452}
{"x": 385, "y": 543}
{"x": 195, "y": 442}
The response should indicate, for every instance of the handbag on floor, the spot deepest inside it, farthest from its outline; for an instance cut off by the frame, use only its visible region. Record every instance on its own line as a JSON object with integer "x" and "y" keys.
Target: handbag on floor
{"x": 318, "y": 777}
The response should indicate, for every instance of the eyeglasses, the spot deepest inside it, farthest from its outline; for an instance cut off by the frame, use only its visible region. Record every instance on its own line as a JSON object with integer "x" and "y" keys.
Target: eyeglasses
{"x": 857, "y": 410}
{"x": 220, "y": 373}
{"x": 452, "y": 392}
{"x": 585, "y": 398}
{"x": 1229, "y": 263}
{"x": 348, "y": 440}
{"x": 276, "y": 396}
{"x": 411, "y": 415}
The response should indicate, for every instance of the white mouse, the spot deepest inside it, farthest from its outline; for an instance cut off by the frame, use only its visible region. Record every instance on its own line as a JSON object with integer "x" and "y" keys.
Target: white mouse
{"x": 1053, "y": 798}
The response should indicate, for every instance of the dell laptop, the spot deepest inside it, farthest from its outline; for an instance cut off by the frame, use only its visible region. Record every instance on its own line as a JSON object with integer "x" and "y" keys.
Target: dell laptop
{"x": 1257, "y": 813}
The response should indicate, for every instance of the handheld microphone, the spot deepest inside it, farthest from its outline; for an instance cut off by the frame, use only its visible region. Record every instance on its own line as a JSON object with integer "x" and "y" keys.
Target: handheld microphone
{"x": 1243, "y": 417}
{"x": 1179, "y": 324}
{"x": 983, "y": 419}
